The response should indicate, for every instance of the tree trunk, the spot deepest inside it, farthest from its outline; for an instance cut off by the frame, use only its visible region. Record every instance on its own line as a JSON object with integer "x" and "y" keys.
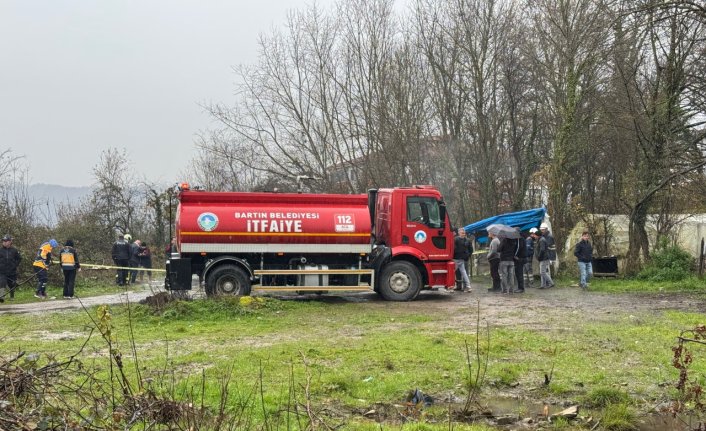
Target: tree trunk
{"x": 637, "y": 239}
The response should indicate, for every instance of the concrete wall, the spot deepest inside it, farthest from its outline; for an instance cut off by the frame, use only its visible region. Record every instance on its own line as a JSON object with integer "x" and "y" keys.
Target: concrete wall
{"x": 687, "y": 234}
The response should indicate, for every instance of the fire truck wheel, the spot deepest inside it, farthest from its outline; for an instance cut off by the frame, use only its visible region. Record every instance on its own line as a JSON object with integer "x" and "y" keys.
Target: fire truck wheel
{"x": 400, "y": 281}
{"x": 227, "y": 280}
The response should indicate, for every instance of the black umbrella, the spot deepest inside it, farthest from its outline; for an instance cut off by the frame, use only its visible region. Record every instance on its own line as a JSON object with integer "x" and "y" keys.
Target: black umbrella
{"x": 503, "y": 231}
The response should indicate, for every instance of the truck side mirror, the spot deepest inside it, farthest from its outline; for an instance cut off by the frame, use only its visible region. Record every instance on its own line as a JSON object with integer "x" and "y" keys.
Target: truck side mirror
{"x": 442, "y": 214}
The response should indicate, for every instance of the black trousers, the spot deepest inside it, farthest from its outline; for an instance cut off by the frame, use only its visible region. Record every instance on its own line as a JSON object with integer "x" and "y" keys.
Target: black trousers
{"x": 69, "y": 281}
{"x": 519, "y": 273}
{"x": 9, "y": 281}
{"x": 495, "y": 273}
{"x": 133, "y": 272}
{"x": 42, "y": 279}
{"x": 122, "y": 278}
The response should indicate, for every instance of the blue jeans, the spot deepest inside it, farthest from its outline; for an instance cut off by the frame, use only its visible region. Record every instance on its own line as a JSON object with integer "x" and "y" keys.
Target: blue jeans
{"x": 461, "y": 267}
{"x": 507, "y": 276}
{"x": 545, "y": 275}
{"x": 585, "y": 272}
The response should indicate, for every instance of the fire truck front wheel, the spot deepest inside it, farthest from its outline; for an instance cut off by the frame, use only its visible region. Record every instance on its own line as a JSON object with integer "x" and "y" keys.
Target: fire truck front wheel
{"x": 227, "y": 280}
{"x": 400, "y": 281}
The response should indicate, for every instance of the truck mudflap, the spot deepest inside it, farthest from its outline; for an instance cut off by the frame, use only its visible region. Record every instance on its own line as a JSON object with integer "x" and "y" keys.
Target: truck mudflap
{"x": 441, "y": 274}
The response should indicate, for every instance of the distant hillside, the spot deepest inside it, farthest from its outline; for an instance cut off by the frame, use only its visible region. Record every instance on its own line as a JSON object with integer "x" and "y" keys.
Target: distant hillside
{"x": 56, "y": 193}
{"x": 53, "y": 195}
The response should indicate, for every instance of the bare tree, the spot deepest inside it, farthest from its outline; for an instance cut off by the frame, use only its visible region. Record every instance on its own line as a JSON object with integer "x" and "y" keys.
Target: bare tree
{"x": 224, "y": 163}
{"x": 480, "y": 97}
{"x": 338, "y": 99}
{"x": 117, "y": 198}
{"x": 18, "y": 210}
{"x": 658, "y": 70}
{"x": 440, "y": 40}
{"x": 568, "y": 47}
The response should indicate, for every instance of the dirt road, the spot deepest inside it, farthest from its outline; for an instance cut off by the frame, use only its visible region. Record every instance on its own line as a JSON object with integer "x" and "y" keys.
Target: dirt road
{"x": 533, "y": 309}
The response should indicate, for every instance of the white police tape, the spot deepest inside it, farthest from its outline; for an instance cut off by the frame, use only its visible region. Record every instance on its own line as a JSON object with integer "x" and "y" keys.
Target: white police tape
{"x": 130, "y": 268}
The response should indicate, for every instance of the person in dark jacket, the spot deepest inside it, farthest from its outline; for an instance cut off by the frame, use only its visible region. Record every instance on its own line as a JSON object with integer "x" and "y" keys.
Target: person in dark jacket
{"x": 121, "y": 256}
{"x": 171, "y": 248}
{"x": 134, "y": 261}
{"x": 508, "y": 248}
{"x": 494, "y": 262}
{"x": 529, "y": 254}
{"x": 520, "y": 258}
{"x": 9, "y": 261}
{"x": 542, "y": 252}
{"x": 551, "y": 245}
{"x": 462, "y": 251}
{"x": 584, "y": 255}
{"x": 68, "y": 256}
{"x": 145, "y": 256}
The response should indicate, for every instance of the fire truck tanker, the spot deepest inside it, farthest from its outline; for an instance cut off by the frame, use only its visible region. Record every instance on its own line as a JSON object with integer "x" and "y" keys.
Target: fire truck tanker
{"x": 395, "y": 241}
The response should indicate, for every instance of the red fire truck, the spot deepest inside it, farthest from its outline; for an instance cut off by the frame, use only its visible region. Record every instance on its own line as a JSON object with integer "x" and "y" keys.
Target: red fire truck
{"x": 394, "y": 241}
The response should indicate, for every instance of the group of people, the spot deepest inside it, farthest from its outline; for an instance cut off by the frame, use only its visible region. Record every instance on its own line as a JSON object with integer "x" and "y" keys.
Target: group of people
{"x": 129, "y": 258}
{"x": 10, "y": 259}
{"x": 125, "y": 255}
{"x": 510, "y": 262}
{"x": 511, "y": 259}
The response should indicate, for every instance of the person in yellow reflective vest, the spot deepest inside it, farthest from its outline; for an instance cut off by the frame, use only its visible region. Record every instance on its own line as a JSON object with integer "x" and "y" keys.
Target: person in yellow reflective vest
{"x": 68, "y": 256}
{"x": 41, "y": 264}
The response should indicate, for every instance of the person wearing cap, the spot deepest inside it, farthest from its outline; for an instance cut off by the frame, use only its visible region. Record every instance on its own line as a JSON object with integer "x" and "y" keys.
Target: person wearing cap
{"x": 121, "y": 257}
{"x": 545, "y": 276}
{"x": 529, "y": 254}
{"x": 9, "y": 261}
{"x": 551, "y": 245}
{"x": 41, "y": 264}
{"x": 68, "y": 256}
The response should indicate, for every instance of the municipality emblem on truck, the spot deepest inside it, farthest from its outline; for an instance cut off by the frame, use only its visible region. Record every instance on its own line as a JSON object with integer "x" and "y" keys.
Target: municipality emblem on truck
{"x": 420, "y": 236}
{"x": 207, "y": 221}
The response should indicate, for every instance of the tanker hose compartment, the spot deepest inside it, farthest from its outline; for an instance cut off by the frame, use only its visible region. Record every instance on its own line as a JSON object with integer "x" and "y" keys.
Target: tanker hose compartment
{"x": 296, "y": 260}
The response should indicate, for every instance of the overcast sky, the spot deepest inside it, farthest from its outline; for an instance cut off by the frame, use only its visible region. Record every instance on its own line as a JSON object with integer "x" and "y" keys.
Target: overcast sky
{"x": 78, "y": 77}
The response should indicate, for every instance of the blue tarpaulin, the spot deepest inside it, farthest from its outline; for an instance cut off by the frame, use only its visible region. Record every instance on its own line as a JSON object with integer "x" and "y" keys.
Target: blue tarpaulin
{"x": 522, "y": 219}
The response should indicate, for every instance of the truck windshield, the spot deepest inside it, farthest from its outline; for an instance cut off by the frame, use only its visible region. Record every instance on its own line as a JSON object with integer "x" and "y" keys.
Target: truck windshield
{"x": 423, "y": 210}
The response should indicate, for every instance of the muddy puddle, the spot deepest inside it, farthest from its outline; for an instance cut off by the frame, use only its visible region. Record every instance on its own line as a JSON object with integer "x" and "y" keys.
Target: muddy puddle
{"x": 508, "y": 413}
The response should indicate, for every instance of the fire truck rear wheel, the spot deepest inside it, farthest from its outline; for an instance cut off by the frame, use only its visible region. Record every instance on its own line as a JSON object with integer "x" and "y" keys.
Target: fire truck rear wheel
{"x": 400, "y": 281}
{"x": 227, "y": 280}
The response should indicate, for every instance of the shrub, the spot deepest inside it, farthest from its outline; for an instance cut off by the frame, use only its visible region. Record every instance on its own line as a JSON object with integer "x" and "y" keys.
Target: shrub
{"x": 602, "y": 397}
{"x": 668, "y": 264}
{"x": 619, "y": 417}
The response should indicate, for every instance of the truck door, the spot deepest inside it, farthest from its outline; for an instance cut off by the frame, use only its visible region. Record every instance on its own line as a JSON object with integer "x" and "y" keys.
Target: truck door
{"x": 424, "y": 228}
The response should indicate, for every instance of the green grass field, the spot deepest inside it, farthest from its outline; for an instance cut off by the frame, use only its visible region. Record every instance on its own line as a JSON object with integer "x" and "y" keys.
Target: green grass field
{"x": 359, "y": 357}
